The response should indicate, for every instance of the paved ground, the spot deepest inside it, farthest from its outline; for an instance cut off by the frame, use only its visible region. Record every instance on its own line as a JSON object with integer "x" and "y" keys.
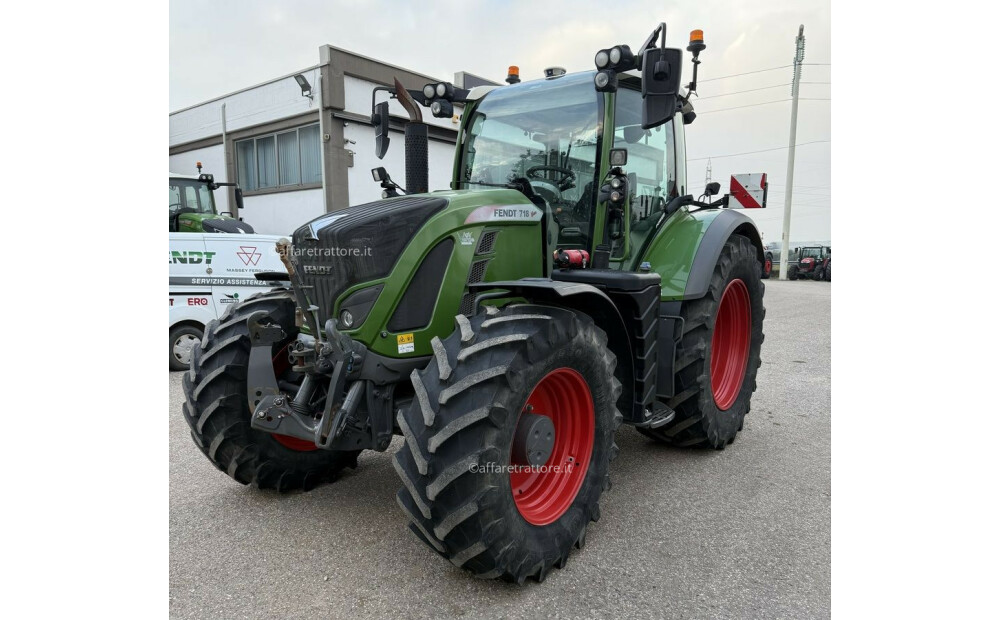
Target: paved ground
{"x": 684, "y": 534}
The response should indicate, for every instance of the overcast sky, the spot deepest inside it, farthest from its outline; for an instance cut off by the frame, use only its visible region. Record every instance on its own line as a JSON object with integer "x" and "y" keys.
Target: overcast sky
{"x": 220, "y": 46}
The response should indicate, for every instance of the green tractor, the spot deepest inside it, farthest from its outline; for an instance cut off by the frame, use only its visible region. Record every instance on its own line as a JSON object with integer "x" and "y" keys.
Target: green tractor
{"x": 192, "y": 206}
{"x": 567, "y": 283}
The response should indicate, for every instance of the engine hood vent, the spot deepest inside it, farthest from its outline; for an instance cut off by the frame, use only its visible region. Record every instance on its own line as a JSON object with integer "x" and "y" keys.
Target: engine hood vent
{"x": 358, "y": 244}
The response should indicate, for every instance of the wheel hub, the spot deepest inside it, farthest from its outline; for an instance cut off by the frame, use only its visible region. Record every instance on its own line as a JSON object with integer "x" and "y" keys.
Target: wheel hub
{"x": 182, "y": 348}
{"x": 543, "y": 491}
{"x": 534, "y": 439}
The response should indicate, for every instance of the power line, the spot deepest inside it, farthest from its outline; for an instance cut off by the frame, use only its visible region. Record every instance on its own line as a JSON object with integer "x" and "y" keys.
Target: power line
{"x": 762, "y": 103}
{"x": 723, "y": 77}
{"x": 744, "y": 91}
{"x": 751, "y": 90}
{"x": 778, "y": 148}
{"x": 745, "y": 106}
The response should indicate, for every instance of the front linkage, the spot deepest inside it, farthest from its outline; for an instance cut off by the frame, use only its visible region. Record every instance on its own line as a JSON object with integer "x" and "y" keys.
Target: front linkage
{"x": 336, "y": 361}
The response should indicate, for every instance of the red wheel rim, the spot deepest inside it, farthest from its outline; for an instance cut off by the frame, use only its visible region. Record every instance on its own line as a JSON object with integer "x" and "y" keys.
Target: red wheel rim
{"x": 542, "y": 495}
{"x": 730, "y": 344}
{"x": 280, "y": 364}
{"x": 767, "y": 265}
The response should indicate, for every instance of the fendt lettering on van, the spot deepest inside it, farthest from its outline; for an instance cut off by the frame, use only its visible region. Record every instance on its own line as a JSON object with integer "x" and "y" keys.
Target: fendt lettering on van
{"x": 191, "y": 257}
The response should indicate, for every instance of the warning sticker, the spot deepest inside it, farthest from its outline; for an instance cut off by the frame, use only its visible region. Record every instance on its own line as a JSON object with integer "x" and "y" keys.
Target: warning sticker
{"x": 404, "y": 343}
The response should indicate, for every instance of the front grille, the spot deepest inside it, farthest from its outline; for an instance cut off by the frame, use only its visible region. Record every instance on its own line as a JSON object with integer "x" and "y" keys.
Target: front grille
{"x": 358, "y": 244}
{"x": 486, "y": 242}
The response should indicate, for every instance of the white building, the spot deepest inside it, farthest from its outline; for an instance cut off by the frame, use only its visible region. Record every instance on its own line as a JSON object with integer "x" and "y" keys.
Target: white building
{"x": 273, "y": 140}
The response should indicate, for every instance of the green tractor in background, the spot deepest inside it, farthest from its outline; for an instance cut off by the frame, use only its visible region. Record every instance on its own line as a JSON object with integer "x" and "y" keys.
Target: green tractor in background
{"x": 567, "y": 283}
{"x": 192, "y": 206}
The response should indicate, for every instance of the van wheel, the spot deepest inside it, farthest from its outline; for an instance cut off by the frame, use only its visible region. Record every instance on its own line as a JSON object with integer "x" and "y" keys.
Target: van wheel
{"x": 182, "y": 341}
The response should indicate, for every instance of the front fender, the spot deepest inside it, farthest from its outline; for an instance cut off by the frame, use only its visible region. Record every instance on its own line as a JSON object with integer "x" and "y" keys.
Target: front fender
{"x": 589, "y": 300}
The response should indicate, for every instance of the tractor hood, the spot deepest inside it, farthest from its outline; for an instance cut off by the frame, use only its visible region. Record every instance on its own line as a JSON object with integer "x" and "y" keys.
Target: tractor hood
{"x": 357, "y": 244}
{"x": 212, "y": 223}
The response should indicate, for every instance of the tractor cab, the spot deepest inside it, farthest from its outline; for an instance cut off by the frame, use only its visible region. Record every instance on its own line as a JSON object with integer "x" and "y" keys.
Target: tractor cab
{"x": 192, "y": 206}
{"x": 554, "y": 139}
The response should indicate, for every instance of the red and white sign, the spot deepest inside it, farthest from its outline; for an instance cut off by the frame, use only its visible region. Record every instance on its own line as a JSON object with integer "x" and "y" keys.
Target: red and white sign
{"x": 749, "y": 190}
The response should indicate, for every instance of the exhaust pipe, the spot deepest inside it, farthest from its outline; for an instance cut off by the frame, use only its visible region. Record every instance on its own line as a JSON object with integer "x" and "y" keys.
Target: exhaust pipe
{"x": 416, "y": 158}
{"x": 415, "y": 138}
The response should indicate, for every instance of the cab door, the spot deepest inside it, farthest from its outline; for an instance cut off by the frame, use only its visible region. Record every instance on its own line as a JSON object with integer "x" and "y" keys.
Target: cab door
{"x": 651, "y": 170}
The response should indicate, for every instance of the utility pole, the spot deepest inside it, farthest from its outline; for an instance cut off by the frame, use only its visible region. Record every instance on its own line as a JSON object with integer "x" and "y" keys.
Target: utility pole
{"x": 800, "y": 54}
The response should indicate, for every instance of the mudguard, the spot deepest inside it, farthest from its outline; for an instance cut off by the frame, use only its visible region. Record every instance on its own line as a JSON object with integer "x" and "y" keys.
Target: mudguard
{"x": 726, "y": 224}
{"x": 591, "y": 301}
{"x": 685, "y": 249}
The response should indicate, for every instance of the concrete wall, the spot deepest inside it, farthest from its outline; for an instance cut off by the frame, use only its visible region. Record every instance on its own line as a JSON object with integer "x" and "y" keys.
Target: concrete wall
{"x": 261, "y": 104}
{"x": 283, "y": 212}
{"x": 348, "y": 82}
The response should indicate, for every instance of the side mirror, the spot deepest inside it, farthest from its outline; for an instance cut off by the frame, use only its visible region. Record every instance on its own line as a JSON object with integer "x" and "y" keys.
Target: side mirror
{"x": 661, "y": 82}
{"x": 712, "y": 188}
{"x": 380, "y": 119}
{"x": 239, "y": 198}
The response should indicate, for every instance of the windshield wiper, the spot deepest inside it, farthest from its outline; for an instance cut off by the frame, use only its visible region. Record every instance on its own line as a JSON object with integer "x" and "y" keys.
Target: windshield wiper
{"x": 507, "y": 185}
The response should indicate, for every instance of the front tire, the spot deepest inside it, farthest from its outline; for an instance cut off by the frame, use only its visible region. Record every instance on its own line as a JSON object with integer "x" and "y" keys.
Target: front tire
{"x": 719, "y": 353}
{"x": 793, "y": 272}
{"x": 458, "y": 492}
{"x": 218, "y": 411}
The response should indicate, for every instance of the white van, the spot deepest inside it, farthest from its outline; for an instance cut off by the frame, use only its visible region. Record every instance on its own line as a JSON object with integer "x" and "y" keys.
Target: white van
{"x": 208, "y": 273}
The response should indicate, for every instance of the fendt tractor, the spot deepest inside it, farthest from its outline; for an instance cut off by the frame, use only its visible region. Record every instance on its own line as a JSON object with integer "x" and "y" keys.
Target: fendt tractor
{"x": 192, "y": 205}
{"x": 567, "y": 283}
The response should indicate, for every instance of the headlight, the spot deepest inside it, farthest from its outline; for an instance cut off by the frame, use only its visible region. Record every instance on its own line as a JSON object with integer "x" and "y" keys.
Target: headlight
{"x": 347, "y": 319}
{"x": 601, "y": 79}
{"x": 615, "y": 55}
{"x": 429, "y": 91}
{"x": 441, "y": 90}
{"x": 601, "y": 60}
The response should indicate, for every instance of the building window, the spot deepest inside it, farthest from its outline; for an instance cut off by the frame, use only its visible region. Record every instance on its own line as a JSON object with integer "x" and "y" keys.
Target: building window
{"x": 283, "y": 159}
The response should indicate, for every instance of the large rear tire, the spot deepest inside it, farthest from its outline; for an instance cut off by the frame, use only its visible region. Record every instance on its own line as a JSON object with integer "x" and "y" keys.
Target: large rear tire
{"x": 458, "y": 492}
{"x": 716, "y": 369}
{"x": 793, "y": 272}
{"x": 218, "y": 411}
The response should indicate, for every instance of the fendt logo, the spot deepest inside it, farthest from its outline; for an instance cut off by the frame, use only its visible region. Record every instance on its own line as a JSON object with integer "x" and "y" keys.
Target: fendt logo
{"x": 249, "y": 255}
{"x": 191, "y": 258}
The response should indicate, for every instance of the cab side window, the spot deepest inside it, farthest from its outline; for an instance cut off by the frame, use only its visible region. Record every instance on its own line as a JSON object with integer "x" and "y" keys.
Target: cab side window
{"x": 651, "y": 168}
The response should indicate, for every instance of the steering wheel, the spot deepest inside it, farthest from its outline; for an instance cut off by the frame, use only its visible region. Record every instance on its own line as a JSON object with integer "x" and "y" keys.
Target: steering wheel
{"x": 563, "y": 183}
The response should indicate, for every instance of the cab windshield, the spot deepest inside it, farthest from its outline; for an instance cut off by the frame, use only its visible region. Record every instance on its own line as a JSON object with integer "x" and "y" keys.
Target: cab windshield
{"x": 811, "y": 253}
{"x": 190, "y": 196}
{"x": 546, "y": 132}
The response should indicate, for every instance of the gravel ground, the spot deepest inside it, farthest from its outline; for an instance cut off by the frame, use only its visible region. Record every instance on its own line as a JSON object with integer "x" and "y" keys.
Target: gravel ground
{"x": 744, "y": 532}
